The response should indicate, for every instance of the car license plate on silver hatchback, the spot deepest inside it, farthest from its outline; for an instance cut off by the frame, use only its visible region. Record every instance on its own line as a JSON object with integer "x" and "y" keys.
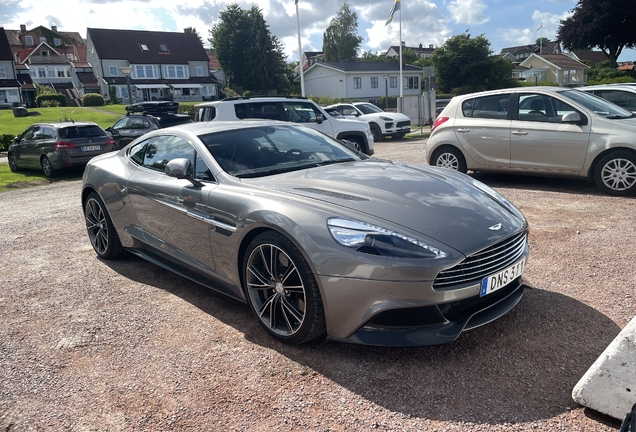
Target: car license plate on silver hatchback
{"x": 499, "y": 280}
{"x": 91, "y": 148}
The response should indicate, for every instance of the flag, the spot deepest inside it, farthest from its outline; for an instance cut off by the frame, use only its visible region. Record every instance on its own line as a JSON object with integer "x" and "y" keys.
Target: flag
{"x": 396, "y": 7}
{"x": 540, "y": 27}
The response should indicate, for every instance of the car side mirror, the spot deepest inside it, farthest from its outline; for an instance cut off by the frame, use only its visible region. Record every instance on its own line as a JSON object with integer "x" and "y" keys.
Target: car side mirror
{"x": 16, "y": 140}
{"x": 571, "y": 117}
{"x": 180, "y": 168}
{"x": 319, "y": 118}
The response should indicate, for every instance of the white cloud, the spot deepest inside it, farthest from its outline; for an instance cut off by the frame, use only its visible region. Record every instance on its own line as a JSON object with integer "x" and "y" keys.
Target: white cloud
{"x": 468, "y": 12}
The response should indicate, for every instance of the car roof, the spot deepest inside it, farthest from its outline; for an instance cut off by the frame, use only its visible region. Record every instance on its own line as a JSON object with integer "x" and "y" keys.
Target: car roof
{"x": 65, "y": 124}
{"x": 610, "y": 87}
{"x": 254, "y": 99}
{"x": 549, "y": 89}
{"x": 199, "y": 128}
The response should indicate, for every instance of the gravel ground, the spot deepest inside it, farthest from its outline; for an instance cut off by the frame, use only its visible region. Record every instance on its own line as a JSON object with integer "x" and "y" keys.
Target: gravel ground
{"x": 93, "y": 345}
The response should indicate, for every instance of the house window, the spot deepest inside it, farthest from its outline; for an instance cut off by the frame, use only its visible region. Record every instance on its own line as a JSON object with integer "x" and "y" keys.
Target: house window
{"x": 163, "y": 48}
{"x": 56, "y": 41}
{"x": 50, "y": 72}
{"x": 411, "y": 83}
{"x": 113, "y": 70}
{"x": 144, "y": 47}
{"x": 44, "y": 53}
{"x": 42, "y": 39}
{"x": 374, "y": 82}
{"x": 393, "y": 82}
{"x": 357, "y": 82}
{"x": 28, "y": 40}
{"x": 199, "y": 70}
{"x": 60, "y": 72}
{"x": 41, "y": 72}
{"x": 3, "y": 73}
{"x": 175, "y": 71}
{"x": 145, "y": 71}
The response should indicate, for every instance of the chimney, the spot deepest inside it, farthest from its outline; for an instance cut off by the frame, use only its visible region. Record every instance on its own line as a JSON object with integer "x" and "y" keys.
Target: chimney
{"x": 54, "y": 28}
{"x": 22, "y": 28}
{"x": 430, "y": 46}
{"x": 403, "y": 44}
{"x": 420, "y": 45}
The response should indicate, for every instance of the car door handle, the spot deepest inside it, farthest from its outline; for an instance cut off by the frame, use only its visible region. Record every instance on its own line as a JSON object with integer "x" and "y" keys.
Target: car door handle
{"x": 520, "y": 132}
{"x": 463, "y": 130}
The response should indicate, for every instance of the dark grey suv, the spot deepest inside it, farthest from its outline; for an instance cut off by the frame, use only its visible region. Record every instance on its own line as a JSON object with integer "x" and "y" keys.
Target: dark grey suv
{"x": 55, "y": 146}
{"x": 143, "y": 118}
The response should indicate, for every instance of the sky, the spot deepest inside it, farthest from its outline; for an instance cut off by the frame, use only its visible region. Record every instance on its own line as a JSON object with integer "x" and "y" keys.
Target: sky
{"x": 505, "y": 23}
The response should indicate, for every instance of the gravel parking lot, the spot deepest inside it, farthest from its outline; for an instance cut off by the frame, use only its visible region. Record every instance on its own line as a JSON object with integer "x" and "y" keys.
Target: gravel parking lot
{"x": 93, "y": 345}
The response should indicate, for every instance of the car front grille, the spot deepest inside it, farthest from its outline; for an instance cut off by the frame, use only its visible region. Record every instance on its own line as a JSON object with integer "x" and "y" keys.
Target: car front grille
{"x": 404, "y": 123}
{"x": 484, "y": 263}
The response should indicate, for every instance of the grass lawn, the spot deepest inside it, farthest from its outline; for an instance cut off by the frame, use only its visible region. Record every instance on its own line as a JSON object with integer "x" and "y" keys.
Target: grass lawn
{"x": 26, "y": 178}
{"x": 16, "y": 125}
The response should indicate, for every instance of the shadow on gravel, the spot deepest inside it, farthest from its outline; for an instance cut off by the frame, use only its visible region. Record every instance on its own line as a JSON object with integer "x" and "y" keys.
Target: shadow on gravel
{"x": 520, "y": 368}
{"x": 550, "y": 184}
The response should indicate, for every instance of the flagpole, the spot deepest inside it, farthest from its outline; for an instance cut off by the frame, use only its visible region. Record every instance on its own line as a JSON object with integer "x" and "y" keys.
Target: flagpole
{"x": 401, "y": 80}
{"x": 300, "y": 55}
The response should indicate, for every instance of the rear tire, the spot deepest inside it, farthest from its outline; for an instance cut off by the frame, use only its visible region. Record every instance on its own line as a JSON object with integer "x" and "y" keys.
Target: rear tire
{"x": 449, "y": 157}
{"x": 47, "y": 168}
{"x": 101, "y": 231}
{"x": 281, "y": 290}
{"x": 615, "y": 173}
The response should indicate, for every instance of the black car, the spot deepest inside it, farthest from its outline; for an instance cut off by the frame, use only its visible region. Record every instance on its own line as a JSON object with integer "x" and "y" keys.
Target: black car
{"x": 55, "y": 146}
{"x": 144, "y": 117}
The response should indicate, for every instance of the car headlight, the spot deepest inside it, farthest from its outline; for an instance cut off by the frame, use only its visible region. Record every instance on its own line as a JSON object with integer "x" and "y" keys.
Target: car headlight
{"x": 386, "y": 118}
{"x": 376, "y": 240}
{"x": 499, "y": 198}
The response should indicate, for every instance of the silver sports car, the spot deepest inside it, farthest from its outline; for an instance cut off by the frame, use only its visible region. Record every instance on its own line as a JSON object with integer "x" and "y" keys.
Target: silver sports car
{"x": 316, "y": 238}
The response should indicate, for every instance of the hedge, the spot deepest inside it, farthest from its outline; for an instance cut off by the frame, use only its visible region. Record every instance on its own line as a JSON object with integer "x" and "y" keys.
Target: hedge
{"x": 92, "y": 99}
{"x": 6, "y": 140}
{"x": 51, "y": 97}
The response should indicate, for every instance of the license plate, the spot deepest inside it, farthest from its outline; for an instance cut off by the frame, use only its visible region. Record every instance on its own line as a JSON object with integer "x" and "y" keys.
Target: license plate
{"x": 499, "y": 280}
{"x": 91, "y": 148}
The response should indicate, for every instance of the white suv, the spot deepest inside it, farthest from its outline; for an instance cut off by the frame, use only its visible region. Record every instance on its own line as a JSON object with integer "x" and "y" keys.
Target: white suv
{"x": 382, "y": 123}
{"x": 291, "y": 109}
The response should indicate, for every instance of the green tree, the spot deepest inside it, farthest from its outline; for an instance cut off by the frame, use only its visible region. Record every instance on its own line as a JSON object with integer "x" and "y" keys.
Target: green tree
{"x": 340, "y": 41}
{"x": 542, "y": 40}
{"x": 468, "y": 63}
{"x": 193, "y": 30}
{"x": 608, "y": 25}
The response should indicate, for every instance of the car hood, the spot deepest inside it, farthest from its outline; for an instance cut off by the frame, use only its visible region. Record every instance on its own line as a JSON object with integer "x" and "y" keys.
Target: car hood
{"x": 434, "y": 202}
{"x": 396, "y": 117}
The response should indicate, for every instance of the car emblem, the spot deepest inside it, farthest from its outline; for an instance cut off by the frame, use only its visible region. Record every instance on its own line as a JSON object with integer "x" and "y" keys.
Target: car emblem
{"x": 495, "y": 227}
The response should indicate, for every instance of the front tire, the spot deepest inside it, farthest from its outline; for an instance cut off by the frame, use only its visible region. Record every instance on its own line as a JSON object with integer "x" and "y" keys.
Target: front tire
{"x": 101, "y": 231}
{"x": 449, "y": 157}
{"x": 376, "y": 132}
{"x": 13, "y": 163}
{"x": 47, "y": 168}
{"x": 615, "y": 173}
{"x": 281, "y": 290}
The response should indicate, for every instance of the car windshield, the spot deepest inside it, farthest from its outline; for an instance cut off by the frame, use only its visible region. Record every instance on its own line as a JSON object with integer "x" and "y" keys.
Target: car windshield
{"x": 368, "y": 108}
{"x": 81, "y": 132}
{"x": 267, "y": 150}
{"x": 596, "y": 104}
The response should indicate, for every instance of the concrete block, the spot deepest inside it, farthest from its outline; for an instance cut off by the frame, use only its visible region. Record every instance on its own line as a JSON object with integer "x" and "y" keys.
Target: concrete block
{"x": 609, "y": 386}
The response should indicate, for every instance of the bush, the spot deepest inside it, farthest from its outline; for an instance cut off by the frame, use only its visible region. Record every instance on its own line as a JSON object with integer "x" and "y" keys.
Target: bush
{"x": 186, "y": 109}
{"x": 326, "y": 100}
{"x": 60, "y": 99}
{"x": 92, "y": 99}
{"x": 112, "y": 93}
{"x": 6, "y": 140}
{"x": 49, "y": 104}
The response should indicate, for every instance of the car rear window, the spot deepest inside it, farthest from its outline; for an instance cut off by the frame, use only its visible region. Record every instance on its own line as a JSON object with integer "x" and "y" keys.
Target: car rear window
{"x": 81, "y": 132}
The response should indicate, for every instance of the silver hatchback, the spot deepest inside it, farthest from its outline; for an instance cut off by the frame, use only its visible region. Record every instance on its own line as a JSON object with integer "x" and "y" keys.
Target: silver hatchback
{"x": 547, "y": 131}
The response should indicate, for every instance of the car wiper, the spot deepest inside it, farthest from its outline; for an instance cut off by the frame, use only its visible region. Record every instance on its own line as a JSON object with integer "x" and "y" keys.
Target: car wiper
{"x": 618, "y": 117}
{"x": 328, "y": 162}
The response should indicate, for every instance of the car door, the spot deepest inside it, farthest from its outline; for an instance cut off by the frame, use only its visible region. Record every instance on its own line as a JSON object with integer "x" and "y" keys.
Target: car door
{"x": 24, "y": 150}
{"x": 116, "y": 130}
{"x": 541, "y": 142}
{"x": 483, "y": 130}
{"x": 172, "y": 213}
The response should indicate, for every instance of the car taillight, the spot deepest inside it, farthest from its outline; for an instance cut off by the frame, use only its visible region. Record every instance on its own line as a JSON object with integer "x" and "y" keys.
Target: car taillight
{"x": 63, "y": 145}
{"x": 438, "y": 121}
{"x": 110, "y": 141}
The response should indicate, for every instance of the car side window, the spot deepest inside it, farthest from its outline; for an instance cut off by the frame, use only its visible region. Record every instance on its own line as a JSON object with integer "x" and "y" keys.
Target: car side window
{"x": 136, "y": 123}
{"x": 137, "y": 152}
{"x": 28, "y": 134}
{"x": 201, "y": 169}
{"x": 621, "y": 98}
{"x": 48, "y": 133}
{"x": 161, "y": 150}
{"x": 349, "y": 111}
{"x": 488, "y": 107}
{"x": 542, "y": 108}
{"x": 121, "y": 124}
{"x": 34, "y": 134}
{"x": 300, "y": 112}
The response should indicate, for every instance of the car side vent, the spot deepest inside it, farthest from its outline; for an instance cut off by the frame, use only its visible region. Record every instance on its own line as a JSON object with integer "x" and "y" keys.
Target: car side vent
{"x": 332, "y": 194}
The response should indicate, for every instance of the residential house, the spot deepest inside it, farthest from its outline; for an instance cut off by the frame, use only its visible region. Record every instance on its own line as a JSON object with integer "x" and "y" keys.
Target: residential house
{"x": 161, "y": 65}
{"x": 71, "y": 45}
{"x": 626, "y": 66}
{"x": 591, "y": 56}
{"x": 557, "y": 68}
{"x": 217, "y": 73}
{"x": 27, "y": 87}
{"x": 426, "y": 52}
{"x": 9, "y": 85}
{"x": 517, "y": 54}
{"x": 366, "y": 81}
{"x": 311, "y": 57}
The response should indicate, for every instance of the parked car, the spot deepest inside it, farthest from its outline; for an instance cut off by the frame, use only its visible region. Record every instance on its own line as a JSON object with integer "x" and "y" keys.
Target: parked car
{"x": 382, "y": 123}
{"x": 144, "y": 117}
{"x": 548, "y": 131}
{"x": 305, "y": 231}
{"x": 52, "y": 147}
{"x": 622, "y": 95}
{"x": 440, "y": 104}
{"x": 289, "y": 109}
